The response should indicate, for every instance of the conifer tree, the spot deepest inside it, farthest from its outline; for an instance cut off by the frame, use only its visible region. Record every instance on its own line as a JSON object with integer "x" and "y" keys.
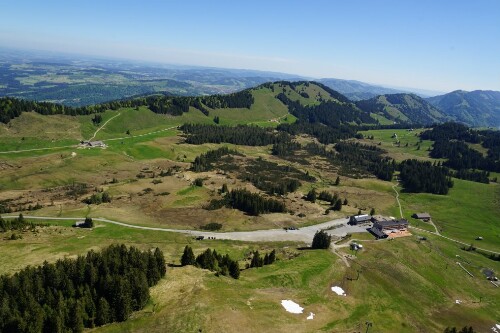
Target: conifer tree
{"x": 234, "y": 269}
{"x": 103, "y": 315}
{"x": 312, "y": 195}
{"x": 272, "y": 257}
{"x": 160, "y": 262}
{"x": 321, "y": 240}
{"x": 338, "y": 205}
{"x": 188, "y": 257}
{"x": 257, "y": 261}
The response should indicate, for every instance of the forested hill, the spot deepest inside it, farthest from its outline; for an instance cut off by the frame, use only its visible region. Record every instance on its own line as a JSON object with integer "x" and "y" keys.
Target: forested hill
{"x": 475, "y": 108}
{"x": 403, "y": 108}
{"x": 310, "y": 102}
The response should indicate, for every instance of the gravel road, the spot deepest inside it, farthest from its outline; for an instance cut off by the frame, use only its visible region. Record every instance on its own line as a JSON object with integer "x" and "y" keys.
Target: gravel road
{"x": 304, "y": 234}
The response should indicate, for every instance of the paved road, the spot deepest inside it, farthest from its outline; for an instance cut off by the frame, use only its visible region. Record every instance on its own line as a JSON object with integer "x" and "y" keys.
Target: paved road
{"x": 36, "y": 149}
{"x": 304, "y": 234}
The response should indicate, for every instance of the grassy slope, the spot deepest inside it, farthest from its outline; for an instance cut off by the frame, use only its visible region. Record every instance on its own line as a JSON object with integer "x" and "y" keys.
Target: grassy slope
{"x": 387, "y": 142}
{"x": 31, "y": 130}
{"x": 404, "y": 286}
{"x": 468, "y": 211}
{"x": 382, "y": 120}
{"x": 394, "y": 112}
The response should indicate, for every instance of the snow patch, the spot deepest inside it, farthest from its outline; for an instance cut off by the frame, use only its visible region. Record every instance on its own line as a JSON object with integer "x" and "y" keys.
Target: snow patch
{"x": 311, "y": 316}
{"x": 339, "y": 291}
{"x": 291, "y": 306}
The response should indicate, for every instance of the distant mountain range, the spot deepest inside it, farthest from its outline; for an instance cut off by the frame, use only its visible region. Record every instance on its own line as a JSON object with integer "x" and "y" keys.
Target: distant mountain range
{"x": 77, "y": 82}
{"x": 475, "y": 108}
{"x": 356, "y": 90}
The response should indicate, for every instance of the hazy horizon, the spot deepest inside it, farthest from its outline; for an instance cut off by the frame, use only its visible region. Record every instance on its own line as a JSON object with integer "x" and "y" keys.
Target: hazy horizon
{"x": 422, "y": 46}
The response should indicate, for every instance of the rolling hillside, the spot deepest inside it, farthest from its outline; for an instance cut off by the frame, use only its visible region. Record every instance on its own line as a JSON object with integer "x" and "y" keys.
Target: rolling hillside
{"x": 475, "y": 108}
{"x": 403, "y": 108}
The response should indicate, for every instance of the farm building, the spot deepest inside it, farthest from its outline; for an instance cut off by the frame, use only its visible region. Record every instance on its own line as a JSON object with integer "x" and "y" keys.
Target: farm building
{"x": 377, "y": 233}
{"x": 79, "y": 224}
{"x": 384, "y": 228}
{"x": 422, "y": 216}
{"x": 93, "y": 144}
{"x": 401, "y": 225}
{"x": 359, "y": 219}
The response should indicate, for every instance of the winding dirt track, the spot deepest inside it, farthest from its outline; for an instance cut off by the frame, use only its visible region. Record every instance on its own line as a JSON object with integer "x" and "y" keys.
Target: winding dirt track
{"x": 100, "y": 128}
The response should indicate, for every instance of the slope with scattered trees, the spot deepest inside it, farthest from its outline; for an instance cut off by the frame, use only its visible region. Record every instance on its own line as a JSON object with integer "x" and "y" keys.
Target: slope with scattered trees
{"x": 211, "y": 260}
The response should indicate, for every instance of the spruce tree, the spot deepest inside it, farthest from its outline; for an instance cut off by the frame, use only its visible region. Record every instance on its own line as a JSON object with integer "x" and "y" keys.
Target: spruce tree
{"x": 89, "y": 223}
{"x": 103, "y": 312}
{"x": 312, "y": 195}
{"x": 266, "y": 259}
{"x": 160, "y": 262}
{"x": 257, "y": 261}
{"x": 234, "y": 269}
{"x": 188, "y": 257}
{"x": 321, "y": 240}
{"x": 272, "y": 257}
{"x": 338, "y": 205}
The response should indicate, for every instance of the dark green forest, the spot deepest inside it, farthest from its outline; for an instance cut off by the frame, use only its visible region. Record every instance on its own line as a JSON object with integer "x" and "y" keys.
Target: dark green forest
{"x": 13, "y": 107}
{"x": 451, "y": 142}
{"x": 417, "y": 176}
{"x": 330, "y": 113}
{"x": 72, "y": 294}
{"x": 239, "y": 135}
{"x": 248, "y": 202}
{"x": 206, "y": 161}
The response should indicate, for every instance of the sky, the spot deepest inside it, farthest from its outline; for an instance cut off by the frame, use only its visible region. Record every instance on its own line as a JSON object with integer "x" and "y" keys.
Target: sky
{"x": 439, "y": 45}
